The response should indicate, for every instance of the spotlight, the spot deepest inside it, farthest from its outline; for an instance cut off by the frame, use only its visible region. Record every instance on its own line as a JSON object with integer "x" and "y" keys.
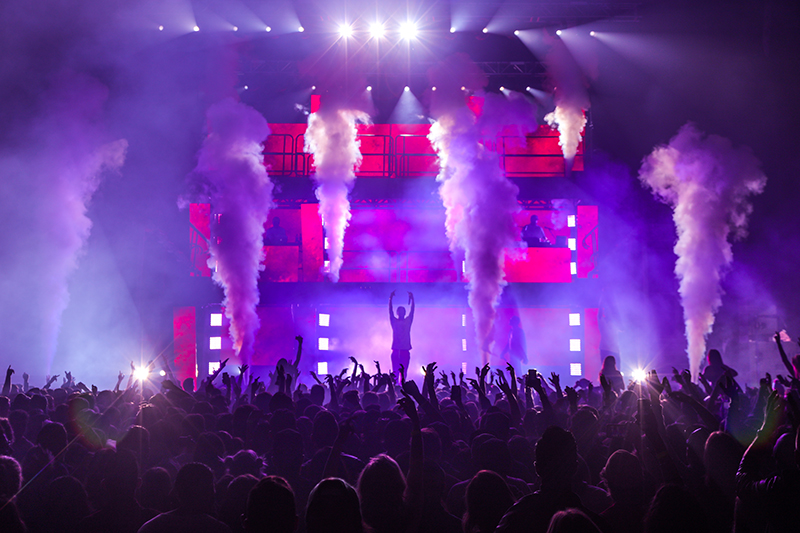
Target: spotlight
{"x": 638, "y": 375}
{"x": 246, "y": 87}
{"x": 301, "y": 29}
{"x": 485, "y": 30}
{"x": 268, "y": 28}
{"x": 408, "y": 30}
{"x": 196, "y": 28}
{"x": 369, "y": 87}
{"x": 502, "y": 89}
{"x": 345, "y": 31}
{"x": 406, "y": 89}
{"x": 592, "y": 33}
{"x": 161, "y": 28}
{"x": 433, "y": 88}
{"x": 140, "y": 373}
{"x": 516, "y": 32}
{"x": 452, "y": 30}
{"x": 463, "y": 88}
{"x": 236, "y": 28}
{"x": 527, "y": 88}
{"x": 313, "y": 87}
{"x": 162, "y": 373}
{"x": 376, "y": 30}
{"x": 558, "y": 32}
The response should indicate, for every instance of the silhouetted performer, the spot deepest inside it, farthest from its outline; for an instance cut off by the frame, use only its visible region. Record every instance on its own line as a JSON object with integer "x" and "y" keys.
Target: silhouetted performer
{"x": 610, "y": 372}
{"x": 533, "y": 234}
{"x": 276, "y": 234}
{"x": 401, "y": 333}
{"x": 716, "y": 368}
{"x": 516, "y": 349}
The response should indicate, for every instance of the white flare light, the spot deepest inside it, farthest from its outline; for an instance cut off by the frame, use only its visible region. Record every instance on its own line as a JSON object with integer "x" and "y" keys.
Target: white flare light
{"x": 408, "y": 30}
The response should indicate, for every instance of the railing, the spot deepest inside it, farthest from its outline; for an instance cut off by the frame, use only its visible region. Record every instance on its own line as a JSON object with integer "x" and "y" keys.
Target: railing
{"x": 411, "y": 155}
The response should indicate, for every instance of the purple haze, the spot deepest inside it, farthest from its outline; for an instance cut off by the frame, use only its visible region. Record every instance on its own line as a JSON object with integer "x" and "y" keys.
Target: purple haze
{"x": 708, "y": 183}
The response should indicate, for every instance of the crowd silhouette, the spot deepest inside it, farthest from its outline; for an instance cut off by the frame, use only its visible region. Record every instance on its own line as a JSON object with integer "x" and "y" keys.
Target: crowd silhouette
{"x": 359, "y": 453}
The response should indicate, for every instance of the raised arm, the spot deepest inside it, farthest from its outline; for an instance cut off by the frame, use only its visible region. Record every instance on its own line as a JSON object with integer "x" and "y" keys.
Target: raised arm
{"x": 391, "y": 308}
{"x": 299, "y": 339}
{"x": 411, "y": 301}
{"x": 784, "y": 358}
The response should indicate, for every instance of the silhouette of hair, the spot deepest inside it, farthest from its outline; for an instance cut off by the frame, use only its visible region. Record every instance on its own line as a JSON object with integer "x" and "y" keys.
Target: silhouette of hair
{"x": 333, "y": 507}
{"x": 572, "y": 521}
{"x": 714, "y": 357}
{"x": 487, "y": 498}
{"x": 271, "y": 507}
{"x": 380, "y": 489}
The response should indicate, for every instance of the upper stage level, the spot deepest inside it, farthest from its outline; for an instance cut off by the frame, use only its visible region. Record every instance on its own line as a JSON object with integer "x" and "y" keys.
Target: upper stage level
{"x": 404, "y": 151}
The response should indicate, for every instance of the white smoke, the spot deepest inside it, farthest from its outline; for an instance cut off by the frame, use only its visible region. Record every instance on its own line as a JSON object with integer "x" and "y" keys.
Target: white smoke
{"x": 708, "y": 183}
{"x": 331, "y": 137}
{"x": 570, "y": 121}
{"x": 480, "y": 201}
{"x": 230, "y": 167}
{"x": 47, "y": 181}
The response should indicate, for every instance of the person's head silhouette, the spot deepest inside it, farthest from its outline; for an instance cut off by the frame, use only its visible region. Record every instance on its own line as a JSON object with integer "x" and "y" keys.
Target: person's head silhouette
{"x": 276, "y": 222}
{"x": 401, "y": 312}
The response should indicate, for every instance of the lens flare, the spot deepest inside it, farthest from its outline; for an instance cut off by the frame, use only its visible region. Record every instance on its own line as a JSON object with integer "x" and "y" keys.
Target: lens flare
{"x": 638, "y": 375}
{"x": 140, "y": 373}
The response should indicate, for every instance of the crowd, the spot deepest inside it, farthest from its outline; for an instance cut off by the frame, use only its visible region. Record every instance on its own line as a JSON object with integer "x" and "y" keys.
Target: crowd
{"x": 381, "y": 453}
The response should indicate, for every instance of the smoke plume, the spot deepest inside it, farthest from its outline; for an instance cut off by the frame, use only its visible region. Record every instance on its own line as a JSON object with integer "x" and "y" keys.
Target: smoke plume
{"x": 331, "y": 137}
{"x": 708, "y": 183}
{"x": 570, "y": 121}
{"x": 46, "y": 188}
{"x": 480, "y": 202}
{"x": 230, "y": 170}
{"x": 570, "y": 96}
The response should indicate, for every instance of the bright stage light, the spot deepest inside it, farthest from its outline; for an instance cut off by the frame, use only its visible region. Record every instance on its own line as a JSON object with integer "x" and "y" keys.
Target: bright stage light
{"x": 196, "y": 28}
{"x": 463, "y": 88}
{"x": 236, "y": 28}
{"x": 502, "y": 89}
{"x": 324, "y": 320}
{"x": 433, "y": 88}
{"x": 527, "y": 88}
{"x": 570, "y": 221}
{"x": 575, "y": 369}
{"x": 140, "y": 373}
{"x": 369, "y": 87}
{"x": 301, "y": 29}
{"x": 516, "y": 32}
{"x": 463, "y": 345}
{"x": 376, "y": 30}
{"x": 452, "y": 30}
{"x": 573, "y": 268}
{"x": 215, "y": 343}
{"x": 485, "y": 30}
{"x": 213, "y": 367}
{"x": 322, "y": 368}
{"x": 592, "y": 33}
{"x": 574, "y": 319}
{"x": 406, "y": 88}
{"x": 313, "y": 87}
{"x": 345, "y": 31}
{"x": 268, "y": 28}
{"x": 246, "y": 87}
{"x": 161, "y": 28}
{"x": 215, "y": 319}
{"x": 558, "y": 32}
{"x": 162, "y": 373}
{"x": 408, "y": 30}
{"x": 323, "y": 344}
{"x": 638, "y": 375}
{"x": 572, "y": 244}
{"x": 574, "y": 345}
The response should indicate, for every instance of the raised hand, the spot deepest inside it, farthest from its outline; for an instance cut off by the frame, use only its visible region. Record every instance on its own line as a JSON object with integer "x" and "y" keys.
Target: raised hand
{"x": 10, "y": 371}
{"x": 120, "y": 377}
{"x": 378, "y": 366}
{"x": 485, "y": 370}
{"x": 555, "y": 380}
{"x": 354, "y": 360}
{"x": 243, "y": 369}
{"x": 392, "y": 294}
{"x": 410, "y": 388}
{"x": 409, "y": 408}
{"x": 298, "y": 338}
{"x": 572, "y": 395}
